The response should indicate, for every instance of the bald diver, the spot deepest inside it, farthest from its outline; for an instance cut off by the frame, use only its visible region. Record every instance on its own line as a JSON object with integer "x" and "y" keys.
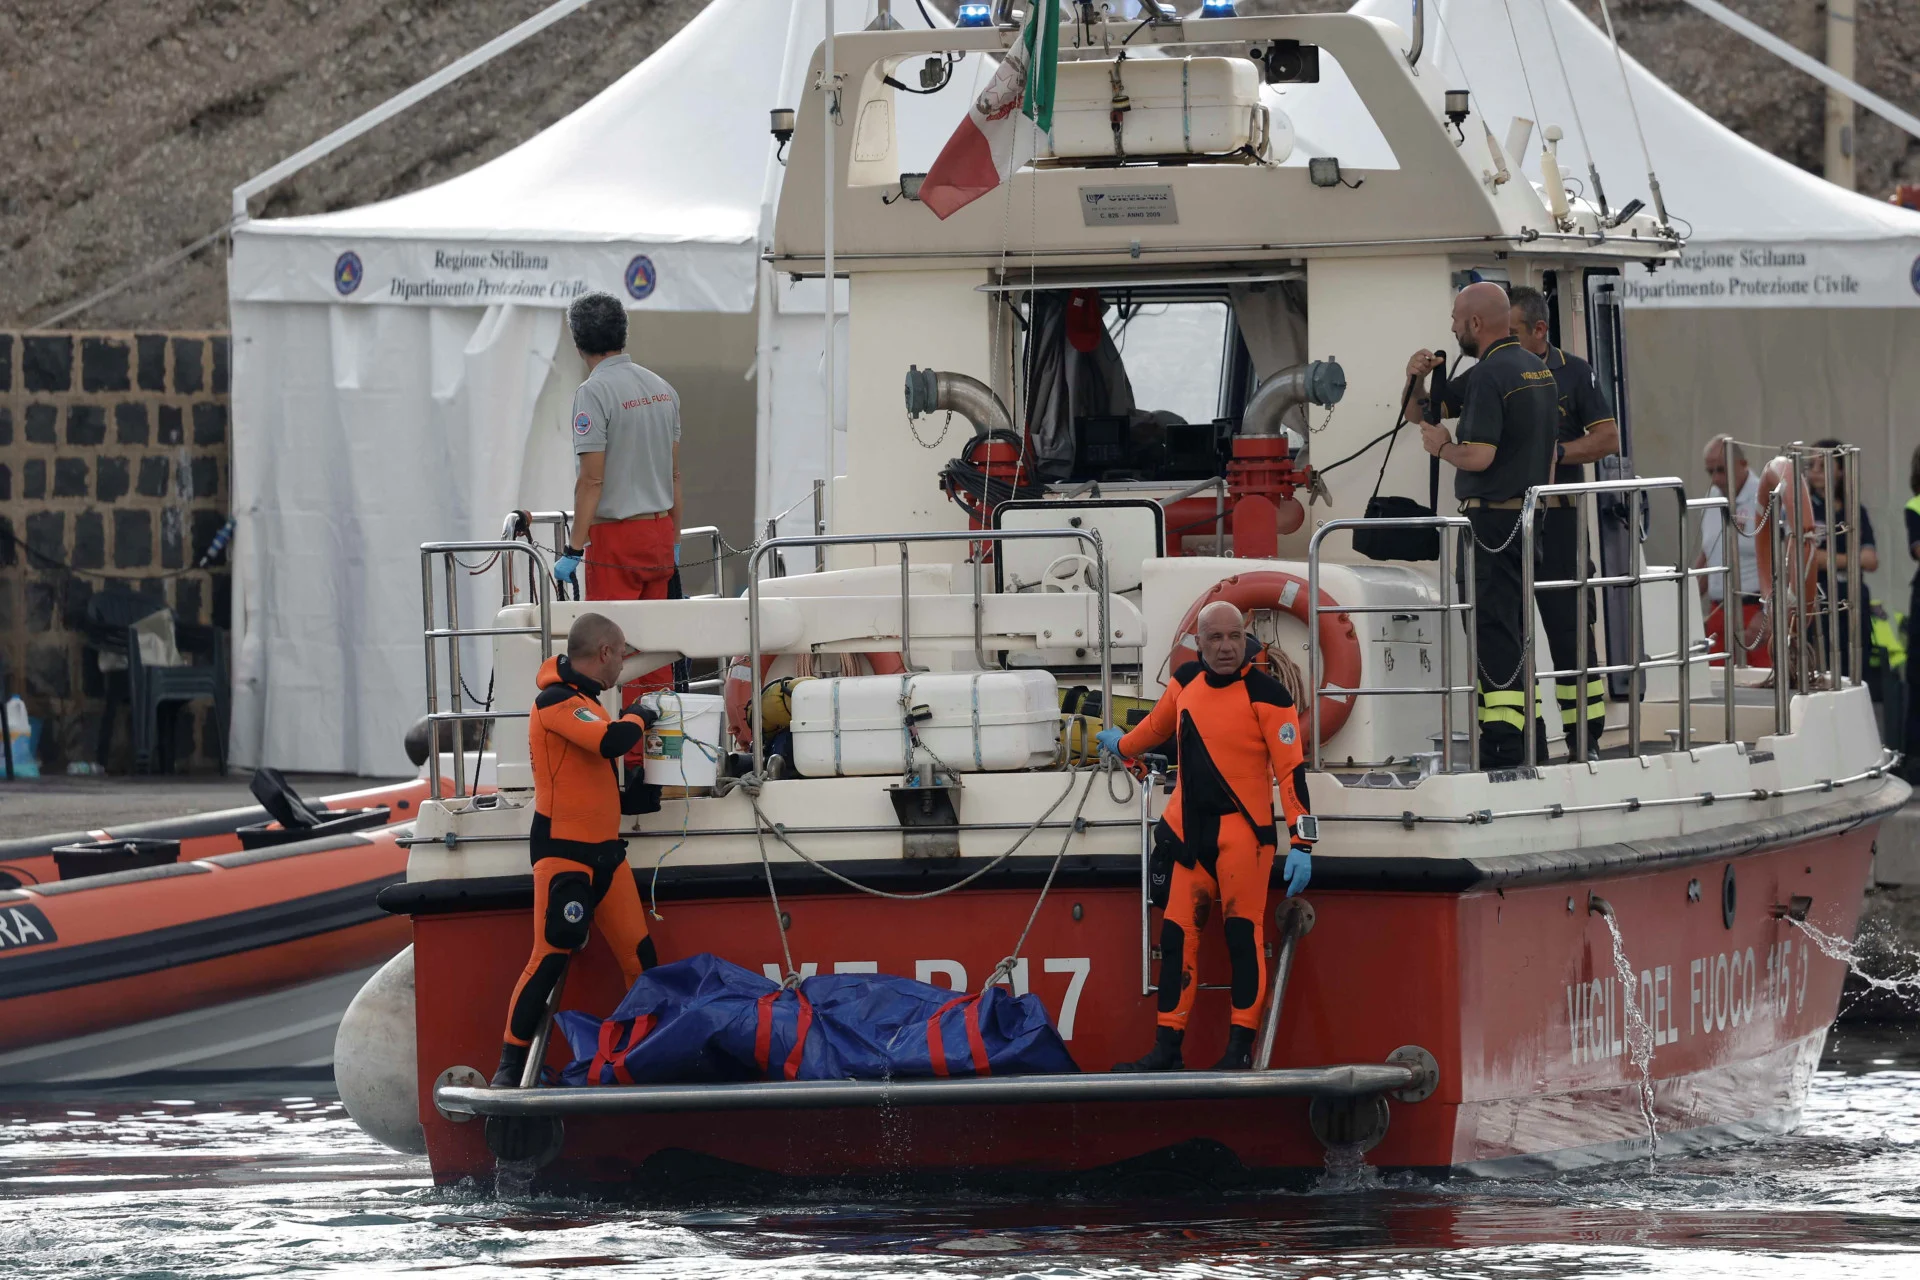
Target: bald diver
{"x": 1237, "y": 732}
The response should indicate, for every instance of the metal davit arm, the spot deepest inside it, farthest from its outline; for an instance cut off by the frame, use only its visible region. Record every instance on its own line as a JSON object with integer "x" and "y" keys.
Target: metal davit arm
{"x": 773, "y": 545}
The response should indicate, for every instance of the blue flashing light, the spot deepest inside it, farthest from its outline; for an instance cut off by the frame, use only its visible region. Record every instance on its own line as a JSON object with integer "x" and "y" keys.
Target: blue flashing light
{"x": 973, "y": 15}
{"x": 1218, "y": 9}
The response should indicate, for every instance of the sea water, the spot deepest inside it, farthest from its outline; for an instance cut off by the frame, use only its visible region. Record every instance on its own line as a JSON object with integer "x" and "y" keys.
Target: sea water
{"x": 270, "y": 1180}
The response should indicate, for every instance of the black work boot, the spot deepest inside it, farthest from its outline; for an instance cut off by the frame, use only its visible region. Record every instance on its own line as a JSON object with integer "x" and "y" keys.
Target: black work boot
{"x": 513, "y": 1063}
{"x": 1164, "y": 1056}
{"x": 1239, "y": 1054}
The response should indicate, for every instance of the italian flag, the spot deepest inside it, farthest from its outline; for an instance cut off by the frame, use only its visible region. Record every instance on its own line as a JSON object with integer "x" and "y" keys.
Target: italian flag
{"x": 991, "y": 143}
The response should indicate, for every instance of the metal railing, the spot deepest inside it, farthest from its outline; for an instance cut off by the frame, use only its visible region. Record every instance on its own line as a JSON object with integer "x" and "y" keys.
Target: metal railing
{"x": 1806, "y": 637}
{"x": 561, "y": 523}
{"x": 818, "y": 497}
{"x": 1467, "y": 606}
{"x": 904, "y": 540}
{"x": 540, "y": 573}
{"x": 1682, "y": 658}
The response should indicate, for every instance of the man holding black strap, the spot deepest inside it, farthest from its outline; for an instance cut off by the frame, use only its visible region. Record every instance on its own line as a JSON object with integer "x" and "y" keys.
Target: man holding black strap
{"x": 1509, "y": 412}
{"x": 1586, "y": 432}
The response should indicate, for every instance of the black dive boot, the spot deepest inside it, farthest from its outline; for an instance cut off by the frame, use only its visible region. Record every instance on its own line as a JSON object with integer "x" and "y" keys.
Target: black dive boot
{"x": 513, "y": 1063}
{"x": 1164, "y": 1056}
{"x": 1239, "y": 1054}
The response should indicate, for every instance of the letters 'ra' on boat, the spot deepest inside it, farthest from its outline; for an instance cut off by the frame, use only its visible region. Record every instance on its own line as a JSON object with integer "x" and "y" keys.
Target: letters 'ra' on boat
{"x": 1134, "y": 370}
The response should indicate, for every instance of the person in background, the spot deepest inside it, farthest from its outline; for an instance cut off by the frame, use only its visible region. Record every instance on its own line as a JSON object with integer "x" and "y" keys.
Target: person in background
{"x": 1745, "y": 489}
{"x": 580, "y": 871}
{"x": 1587, "y": 433}
{"x": 1910, "y": 740}
{"x": 1237, "y": 735}
{"x": 1835, "y": 546}
{"x": 626, "y": 494}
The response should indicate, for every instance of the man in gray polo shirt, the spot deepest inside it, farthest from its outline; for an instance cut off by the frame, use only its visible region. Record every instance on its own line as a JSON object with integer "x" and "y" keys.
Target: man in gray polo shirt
{"x": 626, "y": 444}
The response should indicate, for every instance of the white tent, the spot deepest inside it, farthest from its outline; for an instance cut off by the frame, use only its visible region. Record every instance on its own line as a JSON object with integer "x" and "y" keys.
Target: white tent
{"x": 401, "y": 374}
{"x": 1763, "y": 232}
{"x": 1795, "y": 310}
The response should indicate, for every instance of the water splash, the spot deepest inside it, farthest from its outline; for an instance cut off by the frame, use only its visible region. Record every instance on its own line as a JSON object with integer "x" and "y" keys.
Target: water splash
{"x": 1904, "y": 987}
{"x": 1347, "y": 1170}
{"x": 1639, "y": 1035}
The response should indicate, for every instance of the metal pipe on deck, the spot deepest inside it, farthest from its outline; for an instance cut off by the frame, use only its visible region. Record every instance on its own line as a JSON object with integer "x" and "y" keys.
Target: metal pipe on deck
{"x": 1293, "y": 920}
{"x": 1356, "y": 1080}
{"x": 1321, "y": 382}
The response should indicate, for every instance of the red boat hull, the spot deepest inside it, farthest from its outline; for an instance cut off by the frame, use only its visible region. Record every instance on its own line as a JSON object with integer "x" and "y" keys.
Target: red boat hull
{"x": 1513, "y": 991}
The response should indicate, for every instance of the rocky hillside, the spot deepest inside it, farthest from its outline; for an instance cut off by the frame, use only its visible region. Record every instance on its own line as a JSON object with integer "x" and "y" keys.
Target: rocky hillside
{"x": 125, "y": 123}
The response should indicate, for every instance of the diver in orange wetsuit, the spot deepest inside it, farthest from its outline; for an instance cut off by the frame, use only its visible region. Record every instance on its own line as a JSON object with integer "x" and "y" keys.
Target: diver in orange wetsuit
{"x": 579, "y": 861}
{"x": 1237, "y": 733}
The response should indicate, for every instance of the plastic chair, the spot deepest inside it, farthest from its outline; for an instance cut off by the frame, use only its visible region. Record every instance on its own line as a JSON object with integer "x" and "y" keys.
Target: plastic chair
{"x": 109, "y": 615}
{"x": 152, "y": 688}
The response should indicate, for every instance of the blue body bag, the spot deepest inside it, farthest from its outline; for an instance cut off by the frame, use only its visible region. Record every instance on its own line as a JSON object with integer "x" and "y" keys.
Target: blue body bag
{"x": 704, "y": 1019}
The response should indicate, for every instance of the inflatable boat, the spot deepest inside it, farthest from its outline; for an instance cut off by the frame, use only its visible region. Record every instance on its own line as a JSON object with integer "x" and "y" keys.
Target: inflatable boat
{"x": 220, "y": 942}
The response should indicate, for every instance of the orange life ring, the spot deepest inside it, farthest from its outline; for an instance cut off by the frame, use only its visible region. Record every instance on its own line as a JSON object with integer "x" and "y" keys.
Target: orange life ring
{"x": 740, "y": 691}
{"x": 1776, "y": 475}
{"x": 1271, "y": 589}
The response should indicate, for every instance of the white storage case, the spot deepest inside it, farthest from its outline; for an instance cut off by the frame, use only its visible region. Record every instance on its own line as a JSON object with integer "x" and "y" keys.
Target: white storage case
{"x": 1178, "y": 107}
{"x": 987, "y": 721}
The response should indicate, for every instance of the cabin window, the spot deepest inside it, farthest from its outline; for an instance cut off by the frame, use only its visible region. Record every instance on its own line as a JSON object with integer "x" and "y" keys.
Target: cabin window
{"x": 1147, "y": 384}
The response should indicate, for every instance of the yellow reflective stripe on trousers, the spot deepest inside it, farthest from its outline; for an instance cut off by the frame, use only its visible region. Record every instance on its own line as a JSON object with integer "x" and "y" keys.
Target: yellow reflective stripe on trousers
{"x": 1502, "y": 706}
{"x": 1566, "y": 694}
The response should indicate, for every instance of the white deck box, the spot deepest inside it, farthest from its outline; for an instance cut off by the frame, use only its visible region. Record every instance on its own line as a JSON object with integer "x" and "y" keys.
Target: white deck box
{"x": 988, "y": 721}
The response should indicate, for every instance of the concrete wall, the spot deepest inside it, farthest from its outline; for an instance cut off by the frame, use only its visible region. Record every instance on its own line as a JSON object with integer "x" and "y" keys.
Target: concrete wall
{"x": 113, "y": 473}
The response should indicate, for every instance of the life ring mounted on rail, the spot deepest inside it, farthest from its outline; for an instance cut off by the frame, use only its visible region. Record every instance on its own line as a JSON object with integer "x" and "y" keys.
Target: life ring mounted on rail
{"x": 1340, "y": 663}
{"x": 740, "y": 690}
{"x": 1777, "y": 478}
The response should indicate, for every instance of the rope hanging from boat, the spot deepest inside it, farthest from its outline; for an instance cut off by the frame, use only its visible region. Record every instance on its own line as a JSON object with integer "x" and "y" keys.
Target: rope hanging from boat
{"x": 764, "y": 826}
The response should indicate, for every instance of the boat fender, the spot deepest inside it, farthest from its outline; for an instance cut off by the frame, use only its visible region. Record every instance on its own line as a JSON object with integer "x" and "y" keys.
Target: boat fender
{"x": 1272, "y": 589}
{"x": 374, "y": 1063}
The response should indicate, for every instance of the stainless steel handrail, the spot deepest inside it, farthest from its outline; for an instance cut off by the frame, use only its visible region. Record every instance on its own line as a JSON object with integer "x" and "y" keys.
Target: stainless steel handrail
{"x": 561, "y": 523}
{"x": 540, "y": 571}
{"x": 1467, "y": 606}
{"x": 1682, "y": 575}
{"x": 1842, "y": 614}
{"x": 1089, "y": 536}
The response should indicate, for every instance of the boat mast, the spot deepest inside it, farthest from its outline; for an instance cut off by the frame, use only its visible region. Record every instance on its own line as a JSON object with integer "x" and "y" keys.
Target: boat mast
{"x": 830, "y": 112}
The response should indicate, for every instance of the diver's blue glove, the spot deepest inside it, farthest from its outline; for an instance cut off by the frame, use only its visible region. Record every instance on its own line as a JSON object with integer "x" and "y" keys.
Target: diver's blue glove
{"x": 1298, "y": 869}
{"x": 676, "y": 555}
{"x": 1108, "y": 741}
{"x": 566, "y": 567}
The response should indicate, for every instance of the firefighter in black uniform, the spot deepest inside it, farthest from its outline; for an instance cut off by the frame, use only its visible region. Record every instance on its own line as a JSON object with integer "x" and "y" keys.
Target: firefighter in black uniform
{"x": 1587, "y": 433}
{"x": 1508, "y": 413}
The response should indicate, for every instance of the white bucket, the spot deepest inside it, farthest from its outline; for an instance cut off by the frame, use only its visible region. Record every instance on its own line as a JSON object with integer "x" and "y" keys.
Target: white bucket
{"x": 683, "y": 747}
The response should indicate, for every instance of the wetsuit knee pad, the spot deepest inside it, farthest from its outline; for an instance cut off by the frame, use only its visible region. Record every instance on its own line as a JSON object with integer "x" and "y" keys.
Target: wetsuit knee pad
{"x": 570, "y": 899}
{"x": 649, "y": 955}
{"x": 1173, "y": 968}
{"x": 1244, "y": 954}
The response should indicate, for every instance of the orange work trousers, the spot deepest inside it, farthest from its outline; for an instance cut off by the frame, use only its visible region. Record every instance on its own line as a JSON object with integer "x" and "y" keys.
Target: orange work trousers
{"x": 1237, "y": 881}
{"x": 1761, "y": 655}
{"x": 633, "y": 560}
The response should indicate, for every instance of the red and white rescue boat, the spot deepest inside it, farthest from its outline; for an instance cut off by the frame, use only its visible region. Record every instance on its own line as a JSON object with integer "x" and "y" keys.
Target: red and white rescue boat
{"x": 1460, "y": 1001}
